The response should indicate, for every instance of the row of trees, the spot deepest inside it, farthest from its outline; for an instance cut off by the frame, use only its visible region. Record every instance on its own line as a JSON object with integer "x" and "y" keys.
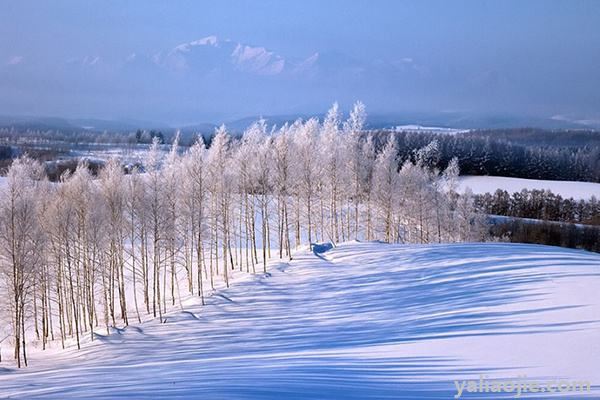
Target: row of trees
{"x": 540, "y": 204}
{"x": 91, "y": 252}
{"x": 517, "y": 230}
{"x": 143, "y": 136}
{"x": 482, "y": 153}
{"x": 535, "y": 137}
{"x": 20, "y": 136}
{"x": 523, "y": 153}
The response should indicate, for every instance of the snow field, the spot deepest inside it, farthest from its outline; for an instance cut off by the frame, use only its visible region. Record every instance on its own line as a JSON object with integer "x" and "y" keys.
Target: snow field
{"x": 567, "y": 189}
{"x": 361, "y": 320}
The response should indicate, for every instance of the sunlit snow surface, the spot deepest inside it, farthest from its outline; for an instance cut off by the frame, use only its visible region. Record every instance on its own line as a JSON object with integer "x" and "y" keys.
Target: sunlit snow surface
{"x": 363, "y": 320}
{"x": 567, "y": 189}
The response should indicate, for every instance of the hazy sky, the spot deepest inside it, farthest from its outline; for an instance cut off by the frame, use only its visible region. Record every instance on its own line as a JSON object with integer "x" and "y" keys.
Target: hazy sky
{"x": 119, "y": 59}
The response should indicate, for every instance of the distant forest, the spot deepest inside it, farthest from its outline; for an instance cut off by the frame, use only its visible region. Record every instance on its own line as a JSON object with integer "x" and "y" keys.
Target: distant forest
{"x": 540, "y": 204}
{"x": 520, "y": 153}
{"x": 518, "y": 230}
{"x": 542, "y": 217}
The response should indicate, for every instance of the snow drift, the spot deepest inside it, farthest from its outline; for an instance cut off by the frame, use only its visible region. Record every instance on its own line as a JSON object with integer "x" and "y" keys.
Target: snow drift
{"x": 361, "y": 320}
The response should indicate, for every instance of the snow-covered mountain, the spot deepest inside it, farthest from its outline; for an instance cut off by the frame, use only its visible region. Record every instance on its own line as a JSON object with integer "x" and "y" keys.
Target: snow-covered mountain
{"x": 213, "y": 78}
{"x": 211, "y": 53}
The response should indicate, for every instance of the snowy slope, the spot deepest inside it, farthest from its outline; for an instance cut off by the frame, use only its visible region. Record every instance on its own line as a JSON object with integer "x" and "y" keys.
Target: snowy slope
{"x": 489, "y": 184}
{"x": 428, "y": 129}
{"x": 363, "y": 320}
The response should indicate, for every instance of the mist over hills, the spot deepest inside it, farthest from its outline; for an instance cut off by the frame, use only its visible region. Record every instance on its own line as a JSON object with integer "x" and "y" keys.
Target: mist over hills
{"x": 214, "y": 80}
{"x": 374, "y": 121}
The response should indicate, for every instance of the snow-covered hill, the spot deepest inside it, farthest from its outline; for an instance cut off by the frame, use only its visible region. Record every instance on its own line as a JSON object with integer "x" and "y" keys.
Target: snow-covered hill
{"x": 363, "y": 320}
{"x": 489, "y": 184}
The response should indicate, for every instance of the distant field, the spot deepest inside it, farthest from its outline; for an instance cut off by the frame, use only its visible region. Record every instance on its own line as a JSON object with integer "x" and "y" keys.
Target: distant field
{"x": 484, "y": 184}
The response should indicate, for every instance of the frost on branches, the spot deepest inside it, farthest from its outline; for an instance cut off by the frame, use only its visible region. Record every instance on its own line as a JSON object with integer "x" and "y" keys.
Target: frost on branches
{"x": 90, "y": 253}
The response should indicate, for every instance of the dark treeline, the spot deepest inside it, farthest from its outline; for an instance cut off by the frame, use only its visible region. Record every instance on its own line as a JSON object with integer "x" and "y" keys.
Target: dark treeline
{"x": 6, "y": 156}
{"x": 533, "y": 137}
{"x": 540, "y": 204}
{"x": 549, "y": 233}
{"x": 42, "y": 154}
{"x": 55, "y": 170}
{"x": 482, "y": 153}
{"x": 522, "y": 153}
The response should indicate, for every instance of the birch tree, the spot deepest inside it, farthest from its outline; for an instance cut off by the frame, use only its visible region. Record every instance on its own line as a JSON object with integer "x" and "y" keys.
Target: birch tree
{"x": 20, "y": 244}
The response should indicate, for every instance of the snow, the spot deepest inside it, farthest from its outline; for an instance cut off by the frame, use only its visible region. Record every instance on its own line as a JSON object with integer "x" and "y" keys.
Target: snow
{"x": 257, "y": 59}
{"x": 428, "y": 129}
{"x": 489, "y": 184}
{"x": 207, "y": 41}
{"x": 306, "y": 64}
{"x": 361, "y": 320}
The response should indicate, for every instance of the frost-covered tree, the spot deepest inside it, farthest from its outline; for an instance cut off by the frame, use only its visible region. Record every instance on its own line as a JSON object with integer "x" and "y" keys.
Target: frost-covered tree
{"x": 369, "y": 158}
{"x": 156, "y": 214}
{"x": 172, "y": 189}
{"x": 355, "y": 161}
{"x": 76, "y": 255}
{"x": 194, "y": 200}
{"x": 261, "y": 175}
{"x": 218, "y": 163}
{"x": 20, "y": 245}
{"x": 282, "y": 182}
{"x": 309, "y": 178}
{"x": 112, "y": 189}
{"x": 330, "y": 147}
{"x": 135, "y": 213}
{"x": 386, "y": 186}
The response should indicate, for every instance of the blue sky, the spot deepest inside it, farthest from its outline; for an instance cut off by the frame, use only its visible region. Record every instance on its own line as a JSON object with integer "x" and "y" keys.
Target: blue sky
{"x": 119, "y": 59}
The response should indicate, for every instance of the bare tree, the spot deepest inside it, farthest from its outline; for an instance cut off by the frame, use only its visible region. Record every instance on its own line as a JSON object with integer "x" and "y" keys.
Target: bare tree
{"x": 20, "y": 244}
{"x": 73, "y": 253}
